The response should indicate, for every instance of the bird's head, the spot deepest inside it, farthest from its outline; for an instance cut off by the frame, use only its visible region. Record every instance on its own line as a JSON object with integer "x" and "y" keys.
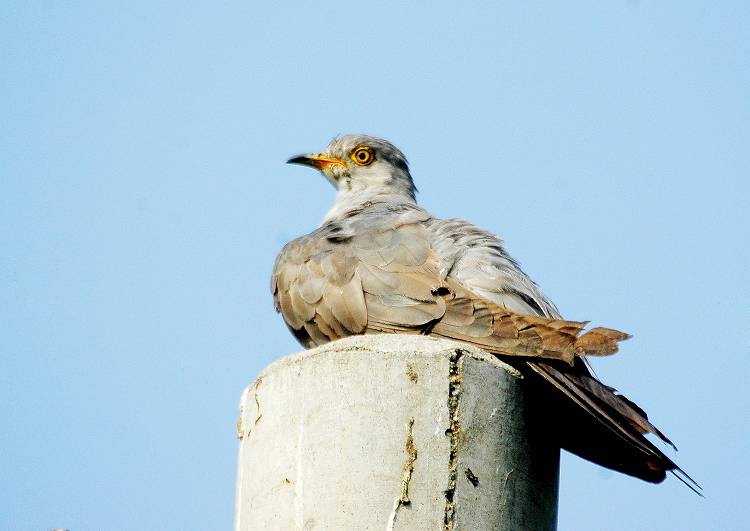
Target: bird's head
{"x": 361, "y": 164}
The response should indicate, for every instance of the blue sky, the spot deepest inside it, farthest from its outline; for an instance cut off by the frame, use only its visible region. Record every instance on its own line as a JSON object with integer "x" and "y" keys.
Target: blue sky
{"x": 144, "y": 197}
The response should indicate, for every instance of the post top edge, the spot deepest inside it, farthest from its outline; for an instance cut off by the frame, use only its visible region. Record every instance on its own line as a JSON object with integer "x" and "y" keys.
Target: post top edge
{"x": 393, "y": 343}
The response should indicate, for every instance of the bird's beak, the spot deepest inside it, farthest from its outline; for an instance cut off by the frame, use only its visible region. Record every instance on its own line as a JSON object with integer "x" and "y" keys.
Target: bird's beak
{"x": 321, "y": 161}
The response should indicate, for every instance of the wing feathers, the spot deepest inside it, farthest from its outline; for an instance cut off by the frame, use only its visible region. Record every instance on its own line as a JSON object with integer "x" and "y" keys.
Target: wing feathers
{"x": 471, "y": 318}
{"x": 410, "y": 275}
{"x": 600, "y": 341}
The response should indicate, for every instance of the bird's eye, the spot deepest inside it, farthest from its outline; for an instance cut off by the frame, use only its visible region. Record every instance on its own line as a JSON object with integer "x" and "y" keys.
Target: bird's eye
{"x": 363, "y": 156}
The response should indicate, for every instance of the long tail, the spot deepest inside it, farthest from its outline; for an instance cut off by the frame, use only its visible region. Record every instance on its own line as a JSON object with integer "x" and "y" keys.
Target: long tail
{"x": 607, "y": 428}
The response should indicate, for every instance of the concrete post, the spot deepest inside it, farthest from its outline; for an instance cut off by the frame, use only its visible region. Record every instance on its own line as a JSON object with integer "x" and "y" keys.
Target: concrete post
{"x": 393, "y": 432}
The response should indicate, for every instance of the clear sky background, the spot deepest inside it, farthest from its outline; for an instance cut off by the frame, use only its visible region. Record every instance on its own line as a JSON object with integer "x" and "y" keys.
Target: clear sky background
{"x": 144, "y": 196}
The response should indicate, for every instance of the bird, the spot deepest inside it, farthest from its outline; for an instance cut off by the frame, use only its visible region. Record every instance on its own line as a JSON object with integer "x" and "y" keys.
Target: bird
{"x": 380, "y": 263}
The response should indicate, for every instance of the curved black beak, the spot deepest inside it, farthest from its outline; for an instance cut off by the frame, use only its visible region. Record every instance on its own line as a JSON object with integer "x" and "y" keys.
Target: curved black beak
{"x": 302, "y": 159}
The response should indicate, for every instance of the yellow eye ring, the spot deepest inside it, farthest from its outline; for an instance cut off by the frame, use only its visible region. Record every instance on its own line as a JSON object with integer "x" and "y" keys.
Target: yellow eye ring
{"x": 362, "y": 156}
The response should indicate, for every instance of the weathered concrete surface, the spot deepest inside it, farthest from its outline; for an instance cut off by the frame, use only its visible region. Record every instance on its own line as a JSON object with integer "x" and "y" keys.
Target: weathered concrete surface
{"x": 392, "y": 432}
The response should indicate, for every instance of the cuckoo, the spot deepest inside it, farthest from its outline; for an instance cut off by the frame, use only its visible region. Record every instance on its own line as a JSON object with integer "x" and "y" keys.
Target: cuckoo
{"x": 379, "y": 263}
